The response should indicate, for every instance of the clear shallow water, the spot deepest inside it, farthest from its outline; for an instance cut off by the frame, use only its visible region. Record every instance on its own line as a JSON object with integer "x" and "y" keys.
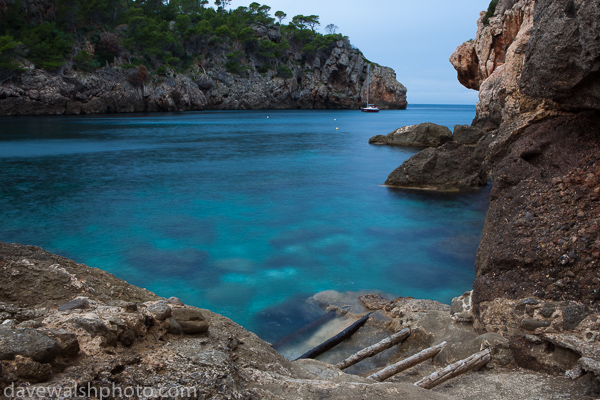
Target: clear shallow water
{"x": 245, "y": 213}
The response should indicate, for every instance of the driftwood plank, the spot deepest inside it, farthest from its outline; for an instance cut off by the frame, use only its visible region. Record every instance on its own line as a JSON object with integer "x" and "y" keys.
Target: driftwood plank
{"x": 375, "y": 349}
{"x": 407, "y": 363}
{"x": 337, "y": 339}
{"x": 477, "y": 360}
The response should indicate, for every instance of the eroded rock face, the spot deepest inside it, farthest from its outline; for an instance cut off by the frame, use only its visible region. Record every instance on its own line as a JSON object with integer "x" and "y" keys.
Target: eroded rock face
{"x": 536, "y": 269}
{"x": 467, "y": 134}
{"x": 336, "y": 82}
{"x": 493, "y": 61}
{"x": 107, "y": 91}
{"x": 569, "y": 73}
{"x": 541, "y": 234}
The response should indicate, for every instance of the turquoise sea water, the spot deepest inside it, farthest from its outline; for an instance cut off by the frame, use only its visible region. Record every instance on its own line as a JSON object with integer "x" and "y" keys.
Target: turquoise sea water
{"x": 245, "y": 213}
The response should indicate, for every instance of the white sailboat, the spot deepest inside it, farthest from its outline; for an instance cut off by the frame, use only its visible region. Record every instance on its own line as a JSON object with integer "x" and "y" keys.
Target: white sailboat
{"x": 369, "y": 107}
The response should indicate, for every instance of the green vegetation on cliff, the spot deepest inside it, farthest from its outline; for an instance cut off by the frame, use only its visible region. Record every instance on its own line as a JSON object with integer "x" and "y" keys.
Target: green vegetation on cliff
{"x": 490, "y": 12}
{"x": 176, "y": 35}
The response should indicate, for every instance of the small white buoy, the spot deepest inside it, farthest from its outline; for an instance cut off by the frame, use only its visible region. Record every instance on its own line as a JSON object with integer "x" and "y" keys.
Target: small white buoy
{"x": 337, "y": 129}
{"x": 335, "y": 119}
{"x": 267, "y": 117}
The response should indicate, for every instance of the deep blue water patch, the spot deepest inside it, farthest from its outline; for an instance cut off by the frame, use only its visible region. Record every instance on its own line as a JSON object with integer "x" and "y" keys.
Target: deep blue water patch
{"x": 245, "y": 213}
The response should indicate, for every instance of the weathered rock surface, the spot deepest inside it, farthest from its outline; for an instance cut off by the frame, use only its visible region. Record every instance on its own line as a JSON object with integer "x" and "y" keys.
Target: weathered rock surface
{"x": 493, "y": 62}
{"x": 426, "y": 134}
{"x": 536, "y": 269}
{"x": 43, "y": 280}
{"x": 467, "y": 134}
{"x": 541, "y": 235}
{"x": 571, "y": 71}
{"x": 29, "y": 343}
{"x": 449, "y": 167}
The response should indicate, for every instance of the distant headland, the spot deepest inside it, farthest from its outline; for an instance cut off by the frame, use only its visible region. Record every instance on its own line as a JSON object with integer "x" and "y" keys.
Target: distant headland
{"x": 63, "y": 58}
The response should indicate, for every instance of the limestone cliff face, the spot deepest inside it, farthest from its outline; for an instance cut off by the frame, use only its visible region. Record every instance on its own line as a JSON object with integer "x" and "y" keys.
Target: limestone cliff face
{"x": 336, "y": 81}
{"x": 492, "y": 63}
{"x": 536, "y": 66}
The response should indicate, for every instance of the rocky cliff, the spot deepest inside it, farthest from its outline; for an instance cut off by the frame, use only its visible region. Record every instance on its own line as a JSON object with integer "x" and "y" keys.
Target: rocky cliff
{"x": 333, "y": 77}
{"x": 536, "y": 65}
{"x": 335, "y": 81}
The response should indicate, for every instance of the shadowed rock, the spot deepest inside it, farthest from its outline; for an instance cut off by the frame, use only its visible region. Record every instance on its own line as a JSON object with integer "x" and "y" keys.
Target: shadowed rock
{"x": 467, "y": 134}
{"x": 449, "y": 167}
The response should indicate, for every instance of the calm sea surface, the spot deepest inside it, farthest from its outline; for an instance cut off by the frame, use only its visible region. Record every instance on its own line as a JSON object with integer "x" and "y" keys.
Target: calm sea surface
{"x": 246, "y": 213}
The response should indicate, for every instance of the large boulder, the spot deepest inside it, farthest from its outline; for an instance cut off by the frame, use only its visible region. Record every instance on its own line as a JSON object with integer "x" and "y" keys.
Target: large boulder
{"x": 426, "y": 134}
{"x": 449, "y": 167}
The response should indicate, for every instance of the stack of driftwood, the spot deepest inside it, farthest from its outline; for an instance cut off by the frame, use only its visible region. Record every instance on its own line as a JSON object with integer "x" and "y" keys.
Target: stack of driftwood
{"x": 473, "y": 362}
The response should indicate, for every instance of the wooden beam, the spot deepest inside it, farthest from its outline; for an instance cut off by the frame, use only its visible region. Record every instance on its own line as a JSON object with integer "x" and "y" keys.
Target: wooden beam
{"x": 337, "y": 339}
{"x": 407, "y": 363}
{"x": 375, "y": 349}
{"x": 477, "y": 360}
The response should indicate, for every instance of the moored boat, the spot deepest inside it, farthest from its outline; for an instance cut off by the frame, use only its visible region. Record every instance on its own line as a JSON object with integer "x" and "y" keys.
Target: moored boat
{"x": 370, "y": 107}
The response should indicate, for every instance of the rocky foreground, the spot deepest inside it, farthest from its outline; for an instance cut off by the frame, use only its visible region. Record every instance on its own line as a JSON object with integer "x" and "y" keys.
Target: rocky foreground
{"x": 80, "y": 332}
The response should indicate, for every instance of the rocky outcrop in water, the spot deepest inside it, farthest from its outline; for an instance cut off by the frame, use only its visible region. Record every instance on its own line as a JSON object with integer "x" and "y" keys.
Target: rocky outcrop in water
{"x": 421, "y": 135}
{"x": 452, "y": 166}
{"x": 452, "y": 161}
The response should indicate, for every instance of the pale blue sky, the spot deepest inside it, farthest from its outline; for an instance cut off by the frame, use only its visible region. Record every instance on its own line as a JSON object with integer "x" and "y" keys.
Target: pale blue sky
{"x": 415, "y": 38}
